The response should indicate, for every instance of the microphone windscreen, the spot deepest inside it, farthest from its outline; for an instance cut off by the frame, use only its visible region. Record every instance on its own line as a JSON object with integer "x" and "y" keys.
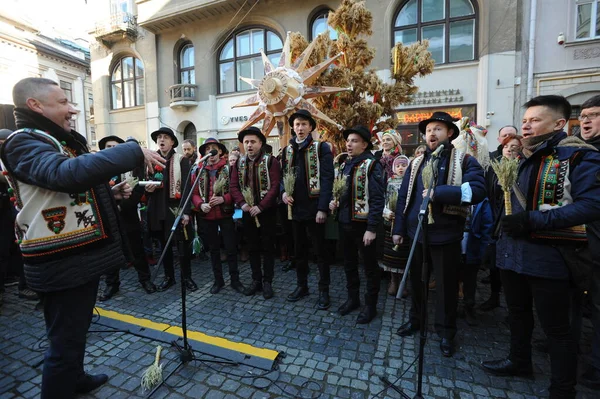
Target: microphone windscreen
{"x": 213, "y": 152}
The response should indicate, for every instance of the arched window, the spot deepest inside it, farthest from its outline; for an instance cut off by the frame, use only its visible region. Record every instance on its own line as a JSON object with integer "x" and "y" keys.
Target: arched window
{"x": 240, "y": 56}
{"x": 127, "y": 83}
{"x": 318, "y": 25}
{"x": 449, "y": 25}
{"x": 189, "y": 132}
{"x": 187, "y": 74}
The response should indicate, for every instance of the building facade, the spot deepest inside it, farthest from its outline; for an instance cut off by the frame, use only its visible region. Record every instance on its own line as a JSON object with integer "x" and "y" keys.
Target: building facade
{"x": 176, "y": 63}
{"x": 26, "y": 52}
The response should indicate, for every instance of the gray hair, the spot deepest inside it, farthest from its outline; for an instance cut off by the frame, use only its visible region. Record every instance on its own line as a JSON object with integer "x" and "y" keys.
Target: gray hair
{"x": 30, "y": 88}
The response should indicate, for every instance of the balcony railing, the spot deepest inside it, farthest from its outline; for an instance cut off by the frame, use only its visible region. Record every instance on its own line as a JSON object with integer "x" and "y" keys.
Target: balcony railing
{"x": 183, "y": 95}
{"x": 120, "y": 26}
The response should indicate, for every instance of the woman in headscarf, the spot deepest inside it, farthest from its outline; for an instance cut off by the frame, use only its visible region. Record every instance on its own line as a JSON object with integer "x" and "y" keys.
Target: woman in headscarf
{"x": 391, "y": 148}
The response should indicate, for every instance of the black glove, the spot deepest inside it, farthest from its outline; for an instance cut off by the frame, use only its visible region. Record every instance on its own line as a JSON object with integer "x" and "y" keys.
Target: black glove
{"x": 516, "y": 225}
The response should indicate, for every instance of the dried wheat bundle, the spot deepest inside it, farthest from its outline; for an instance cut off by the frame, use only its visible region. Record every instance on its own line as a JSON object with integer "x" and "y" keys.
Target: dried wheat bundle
{"x": 219, "y": 186}
{"x": 339, "y": 188}
{"x": 289, "y": 181}
{"x": 153, "y": 374}
{"x": 249, "y": 198}
{"x": 506, "y": 169}
{"x": 427, "y": 178}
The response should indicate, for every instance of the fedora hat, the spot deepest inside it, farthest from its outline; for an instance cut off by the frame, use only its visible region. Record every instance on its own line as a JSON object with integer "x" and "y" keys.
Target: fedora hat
{"x": 167, "y": 131}
{"x": 303, "y": 114}
{"x": 104, "y": 140}
{"x": 440, "y": 116}
{"x": 253, "y": 131}
{"x": 362, "y": 131}
{"x": 212, "y": 140}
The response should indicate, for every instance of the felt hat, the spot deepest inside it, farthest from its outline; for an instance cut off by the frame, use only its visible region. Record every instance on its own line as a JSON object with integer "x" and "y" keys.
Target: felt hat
{"x": 303, "y": 114}
{"x": 362, "y": 131}
{"x": 212, "y": 140}
{"x": 167, "y": 131}
{"x": 253, "y": 131}
{"x": 104, "y": 140}
{"x": 440, "y": 117}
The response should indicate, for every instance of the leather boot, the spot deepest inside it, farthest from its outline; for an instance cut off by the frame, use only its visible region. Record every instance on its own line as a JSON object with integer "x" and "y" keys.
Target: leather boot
{"x": 351, "y": 303}
{"x": 90, "y": 382}
{"x": 506, "y": 367}
{"x": 255, "y": 287}
{"x": 367, "y": 313}
{"x": 300, "y": 292}
{"x": 394, "y": 282}
{"x": 323, "y": 303}
{"x": 109, "y": 292}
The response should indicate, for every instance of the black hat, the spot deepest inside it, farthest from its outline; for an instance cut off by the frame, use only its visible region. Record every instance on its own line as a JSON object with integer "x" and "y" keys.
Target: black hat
{"x": 303, "y": 114}
{"x": 440, "y": 117}
{"x": 212, "y": 140}
{"x": 254, "y": 131}
{"x": 165, "y": 130}
{"x": 4, "y": 133}
{"x": 362, "y": 131}
{"x": 104, "y": 140}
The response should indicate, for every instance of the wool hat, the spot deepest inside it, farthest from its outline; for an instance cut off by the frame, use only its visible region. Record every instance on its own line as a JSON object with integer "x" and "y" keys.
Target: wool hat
{"x": 167, "y": 131}
{"x": 440, "y": 116}
{"x": 212, "y": 140}
{"x": 400, "y": 159}
{"x": 362, "y": 131}
{"x": 104, "y": 140}
{"x": 303, "y": 114}
{"x": 253, "y": 131}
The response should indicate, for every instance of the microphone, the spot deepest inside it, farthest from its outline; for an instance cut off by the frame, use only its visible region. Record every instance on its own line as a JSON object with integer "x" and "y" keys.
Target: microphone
{"x": 437, "y": 151}
{"x": 210, "y": 154}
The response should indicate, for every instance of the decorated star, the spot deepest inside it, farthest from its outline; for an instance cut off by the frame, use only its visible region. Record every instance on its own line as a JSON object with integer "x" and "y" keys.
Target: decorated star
{"x": 287, "y": 88}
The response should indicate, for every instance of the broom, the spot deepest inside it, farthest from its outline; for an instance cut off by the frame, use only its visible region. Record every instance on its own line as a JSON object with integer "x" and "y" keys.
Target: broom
{"x": 339, "y": 188}
{"x": 289, "y": 181}
{"x": 249, "y": 198}
{"x": 506, "y": 169}
{"x": 153, "y": 374}
{"x": 427, "y": 178}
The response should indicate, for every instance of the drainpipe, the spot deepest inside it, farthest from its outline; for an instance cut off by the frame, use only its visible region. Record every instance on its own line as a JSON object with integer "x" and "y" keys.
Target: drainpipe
{"x": 531, "y": 60}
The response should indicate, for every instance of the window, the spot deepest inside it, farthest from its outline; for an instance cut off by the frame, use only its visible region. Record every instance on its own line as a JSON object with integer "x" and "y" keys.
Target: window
{"x": 187, "y": 74}
{"x": 68, "y": 89}
{"x": 318, "y": 25}
{"x": 189, "y": 133}
{"x": 72, "y": 123}
{"x": 240, "y": 56}
{"x": 127, "y": 83}
{"x": 91, "y": 102}
{"x": 587, "y": 24}
{"x": 449, "y": 25}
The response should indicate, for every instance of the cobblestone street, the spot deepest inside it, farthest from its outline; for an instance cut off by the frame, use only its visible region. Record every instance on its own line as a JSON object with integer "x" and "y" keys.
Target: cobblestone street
{"x": 323, "y": 355}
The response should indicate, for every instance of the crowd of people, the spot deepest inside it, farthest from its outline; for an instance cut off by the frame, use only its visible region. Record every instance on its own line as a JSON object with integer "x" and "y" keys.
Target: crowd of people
{"x": 84, "y": 215}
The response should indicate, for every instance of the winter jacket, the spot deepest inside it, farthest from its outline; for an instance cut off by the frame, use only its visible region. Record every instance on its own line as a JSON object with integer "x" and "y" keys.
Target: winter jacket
{"x": 221, "y": 211}
{"x": 479, "y": 235}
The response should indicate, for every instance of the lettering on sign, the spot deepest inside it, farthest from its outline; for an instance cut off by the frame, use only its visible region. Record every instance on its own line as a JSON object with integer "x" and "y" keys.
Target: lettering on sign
{"x": 225, "y": 120}
{"x": 586, "y": 53}
{"x": 408, "y": 117}
{"x": 432, "y": 97}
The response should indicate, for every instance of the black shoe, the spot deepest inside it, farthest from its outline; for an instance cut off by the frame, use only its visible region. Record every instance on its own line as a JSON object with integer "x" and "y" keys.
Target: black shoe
{"x": 109, "y": 292}
{"x": 348, "y": 306}
{"x": 446, "y": 347}
{"x": 267, "y": 290}
{"x": 367, "y": 313}
{"x": 323, "y": 303}
{"x": 289, "y": 266}
{"x": 492, "y": 303}
{"x": 167, "y": 283}
{"x": 407, "y": 329}
{"x": 238, "y": 286}
{"x": 148, "y": 286}
{"x": 506, "y": 367}
{"x": 29, "y": 295}
{"x": 217, "y": 287}
{"x": 255, "y": 287}
{"x": 591, "y": 378}
{"x": 471, "y": 316}
{"x": 300, "y": 292}
{"x": 189, "y": 284}
{"x": 90, "y": 382}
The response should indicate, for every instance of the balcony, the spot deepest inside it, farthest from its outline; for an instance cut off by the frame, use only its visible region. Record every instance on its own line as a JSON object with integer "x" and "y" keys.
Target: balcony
{"x": 120, "y": 26}
{"x": 183, "y": 96}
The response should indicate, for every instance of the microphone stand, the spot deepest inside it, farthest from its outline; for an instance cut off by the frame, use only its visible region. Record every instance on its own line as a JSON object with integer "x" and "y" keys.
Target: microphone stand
{"x": 422, "y": 225}
{"x": 186, "y": 352}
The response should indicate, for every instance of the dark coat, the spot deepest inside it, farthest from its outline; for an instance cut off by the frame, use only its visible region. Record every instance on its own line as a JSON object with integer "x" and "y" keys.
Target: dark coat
{"x": 480, "y": 235}
{"x": 37, "y": 162}
{"x": 542, "y": 258}
{"x": 305, "y": 208}
{"x": 447, "y": 228}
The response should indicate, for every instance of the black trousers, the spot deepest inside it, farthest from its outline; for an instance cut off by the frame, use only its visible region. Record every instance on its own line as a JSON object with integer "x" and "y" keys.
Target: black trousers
{"x": 186, "y": 256}
{"x": 140, "y": 263}
{"x": 552, "y": 300}
{"x": 68, "y": 315}
{"x": 211, "y": 229}
{"x": 469, "y": 279}
{"x": 352, "y": 241}
{"x": 303, "y": 230}
{"x": 445, "y": 261}
{"x": 261, "y": 242}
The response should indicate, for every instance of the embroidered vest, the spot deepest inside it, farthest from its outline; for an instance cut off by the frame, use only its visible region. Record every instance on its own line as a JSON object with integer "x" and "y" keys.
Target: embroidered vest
{"x": 553, "y": 190}
{"x": 359, "y": 195}
{"x": 262, "y": 175}
{"x": 204, "y": 182}
{"x": 175, "y": 176}
{"x": 312, "y": 165}
{"x": 454, "y": 179}
{"x": 50, "y": 221}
